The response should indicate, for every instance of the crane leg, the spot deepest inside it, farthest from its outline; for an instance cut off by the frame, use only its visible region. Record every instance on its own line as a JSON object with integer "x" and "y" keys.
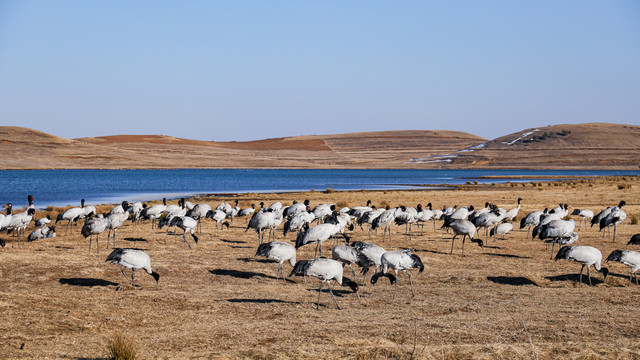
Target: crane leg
{"x": 410, "y": 281}
{"x": 582, "y": 268}
{"x": 614, "y": 232}
{"x": 589, "y": 276}
{"x": 97, "y": 246}
{"x": 123, "y": 274}
{"x": 331, "y": 292}
{"x": 90, "y": 236}
{"x": 353, "y": 273}
{"x": 133, "y": 272}
{"x": 553, "y": 245}
{"x": 319, "y": 292}
{"x": 395, "y": 288}
{"x": 463, "y": 239}
{"x": 452, "y": 239}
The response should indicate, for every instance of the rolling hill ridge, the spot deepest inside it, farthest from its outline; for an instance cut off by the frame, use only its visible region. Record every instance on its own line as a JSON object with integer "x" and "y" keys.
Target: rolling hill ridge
{"x": 583, "y": 146}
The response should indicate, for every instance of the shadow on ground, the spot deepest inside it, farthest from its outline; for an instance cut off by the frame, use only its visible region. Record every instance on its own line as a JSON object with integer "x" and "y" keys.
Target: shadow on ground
{"x": 86, "y": 282}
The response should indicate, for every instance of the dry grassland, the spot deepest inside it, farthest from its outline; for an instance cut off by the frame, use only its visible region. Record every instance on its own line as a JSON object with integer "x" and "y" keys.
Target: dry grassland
{"x": 507, "y": 301}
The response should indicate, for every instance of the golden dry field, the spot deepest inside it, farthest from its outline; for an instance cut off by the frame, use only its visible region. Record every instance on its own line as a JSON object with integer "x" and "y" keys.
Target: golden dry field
{"x": 506, "y": 301}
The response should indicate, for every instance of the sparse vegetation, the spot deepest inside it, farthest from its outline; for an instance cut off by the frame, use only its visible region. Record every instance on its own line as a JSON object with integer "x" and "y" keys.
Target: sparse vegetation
{"x": 634, "y": 220}
{"x": 329, "y": 191}
{"x": 120, "y": 347}
{"x": 624, "y": 186}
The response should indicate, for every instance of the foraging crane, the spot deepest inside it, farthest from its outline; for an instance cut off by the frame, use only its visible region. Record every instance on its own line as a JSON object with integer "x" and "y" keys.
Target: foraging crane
{"x": 369, "y": 217}
{"x": 629, "y": 258}
{"x": 43, "y": 221}
{"x": 501, "y": 229}
{"x": 134, "y": 260}
{"x": 562, "y": 210}
{"x": 584, "y": 215}
{"x": 325, "y": 270}
{"x": 398, "y": 260}
{"x": 280, "y": 251}
{"x": 42, "y": 233}
{"x": 94, "y": 226}
{"x": 478, "y": 212}
{"x": 348, "y": 255}
{"x": 615, "y": 217}
{"x": 135, "y": 209}
{"x": 275, "y": 206}
{"x": 635, "y": 240}
{"x": 586, "y": 256}
{"x": 318, "y": 234}
{"x": 358, "y": 211}
{"x": 532, "y": 219}
{"x": 466, "y": 229}
{"x": 187, "y": 224}
{"x": 372, "y": 253}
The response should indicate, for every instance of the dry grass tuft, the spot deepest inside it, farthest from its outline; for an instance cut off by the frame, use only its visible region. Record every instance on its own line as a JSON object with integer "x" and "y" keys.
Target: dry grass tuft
{"x": 120, "y": 347}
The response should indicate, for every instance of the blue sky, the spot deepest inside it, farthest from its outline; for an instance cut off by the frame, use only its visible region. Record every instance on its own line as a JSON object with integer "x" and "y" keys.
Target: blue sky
{"x": 243, "y": 70}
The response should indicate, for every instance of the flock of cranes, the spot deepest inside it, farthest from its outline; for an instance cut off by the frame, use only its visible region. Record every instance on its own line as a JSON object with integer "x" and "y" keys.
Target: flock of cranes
{"x": 323, "y": 222}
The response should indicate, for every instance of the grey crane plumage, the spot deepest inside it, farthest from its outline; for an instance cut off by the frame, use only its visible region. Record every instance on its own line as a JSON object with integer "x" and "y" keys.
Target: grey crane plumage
{"x": 132, "y": 259}
{"x": 326, "y": 270}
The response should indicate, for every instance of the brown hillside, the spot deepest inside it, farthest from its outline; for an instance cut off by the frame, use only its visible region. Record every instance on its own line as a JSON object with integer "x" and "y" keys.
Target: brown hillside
{"x": 587, "y": 146}
{"x": 358, "y": 150}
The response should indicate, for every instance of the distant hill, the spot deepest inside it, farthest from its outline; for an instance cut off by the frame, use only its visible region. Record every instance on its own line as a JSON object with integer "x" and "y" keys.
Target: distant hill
{"x": 589, "y": 146}
{"x": 584, "y": 146}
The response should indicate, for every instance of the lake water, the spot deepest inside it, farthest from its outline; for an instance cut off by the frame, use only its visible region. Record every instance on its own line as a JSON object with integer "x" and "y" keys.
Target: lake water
{"x": 67, "y": 187}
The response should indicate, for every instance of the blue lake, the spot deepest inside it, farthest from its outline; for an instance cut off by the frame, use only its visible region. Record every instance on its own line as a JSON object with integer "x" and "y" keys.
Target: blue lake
{"x": 67, "y": 187}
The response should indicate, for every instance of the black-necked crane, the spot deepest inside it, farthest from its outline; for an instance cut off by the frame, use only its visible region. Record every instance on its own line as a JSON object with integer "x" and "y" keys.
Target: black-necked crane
{"x": 372, "y": 253}
{"x": 615, "y": 217}
{"x": 512, "y": 213}
{"x": 115, "y": 220}
{"x": 424, "y": 215}
{"x": 406, "y": 216}
{"x": 218, "y": 216}
{"x": 72, "y": 215}
{"x": 42, "y": 233}
{"x": 19, "y": 222}
{"x": 322, "y": 211}
{"x": 556, "y": 230}
{"x": 199, "y": 212}
{"x": 280, "y": 251}
{"x": 501, "y": 229}
{"x": 246, "y": 212}
{"x": 602, "y": 214}
{"x": 532, "y": 219}
{"x": 296, "y": 208}
{"x": 561, "y": 210}
{"x": 43, "y": 221}
{"x": 635, "y": 240}
{"x": 94, "y": 226}
{"x": 369, "y": 217}
{"x": 135, "y": 209}
{"x": 132, "y": 259}
{"x": 488, "y": 220}
{"x": 326, "y": 270}
{"x": 187, "y": 224}
{"x": 348, "y": 255}
{"x": 629, "y": 258}
{"x": 562, "y": 240}
{"x": 319, "y": 234}
{"x": 585, "y": 256}
{"x": 466, "y": 229}
{"x": 398, "y": 260}
{"x": 5, "y": 219}
{"x": 584, "y": 215}
{"x": 154, "y": 212}
{"x": 384, "y": 221}
{"x": 358, "y": 211}
{"x": 259, "y": 222}
{"x": 298, "y": 221}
